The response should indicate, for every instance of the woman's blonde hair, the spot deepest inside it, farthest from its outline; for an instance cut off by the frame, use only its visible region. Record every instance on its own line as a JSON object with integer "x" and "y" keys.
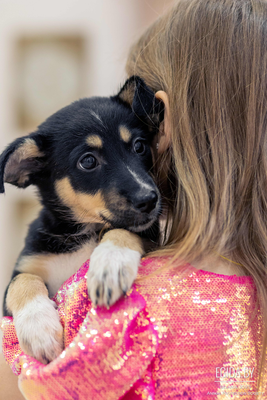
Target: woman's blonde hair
{"x": 210, "y": 57}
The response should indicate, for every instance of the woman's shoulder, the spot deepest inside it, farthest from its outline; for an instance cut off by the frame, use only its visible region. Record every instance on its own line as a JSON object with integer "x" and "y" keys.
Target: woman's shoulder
{"x": 197, "y": 316}
{"x": 183, "y": 289}
{"x": 164, "y": 268}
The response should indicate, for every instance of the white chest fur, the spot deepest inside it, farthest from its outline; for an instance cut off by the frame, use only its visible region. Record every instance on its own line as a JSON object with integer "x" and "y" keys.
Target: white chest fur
{"x": 55, "y": 269}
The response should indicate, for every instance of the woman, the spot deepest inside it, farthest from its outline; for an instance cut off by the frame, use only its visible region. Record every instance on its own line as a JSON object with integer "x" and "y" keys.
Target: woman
{"x": 188, "y": 331}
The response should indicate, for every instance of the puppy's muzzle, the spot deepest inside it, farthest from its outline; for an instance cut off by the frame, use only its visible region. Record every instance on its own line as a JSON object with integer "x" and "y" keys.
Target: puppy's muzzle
{"x": 145, "y": 203}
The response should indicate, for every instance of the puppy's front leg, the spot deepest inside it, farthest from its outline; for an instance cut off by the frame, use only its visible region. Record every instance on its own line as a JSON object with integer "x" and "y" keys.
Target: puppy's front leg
{"x": 36, "y": 320}
{"x": 113, "y": 266}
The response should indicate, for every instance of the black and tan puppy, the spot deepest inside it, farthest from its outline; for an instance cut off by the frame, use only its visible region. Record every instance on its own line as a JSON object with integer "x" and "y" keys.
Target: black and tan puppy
{"x": 91, "y": 162}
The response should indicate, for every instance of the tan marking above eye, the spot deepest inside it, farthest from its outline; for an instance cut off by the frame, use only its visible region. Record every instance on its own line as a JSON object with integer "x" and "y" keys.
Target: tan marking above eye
{"x": 94, "y": 141}
{"x": 125, "y": 134}
{"x": 86, "y": 208}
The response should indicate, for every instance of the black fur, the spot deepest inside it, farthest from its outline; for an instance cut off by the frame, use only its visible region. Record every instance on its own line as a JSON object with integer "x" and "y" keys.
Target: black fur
{"x": 61, "y": 141}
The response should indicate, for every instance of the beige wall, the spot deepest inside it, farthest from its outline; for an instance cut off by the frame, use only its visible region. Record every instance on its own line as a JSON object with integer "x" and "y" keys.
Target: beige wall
{"x": 108, "y": 27}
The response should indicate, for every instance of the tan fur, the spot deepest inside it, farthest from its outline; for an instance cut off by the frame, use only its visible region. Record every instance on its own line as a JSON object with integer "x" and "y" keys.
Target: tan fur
{"x": 23, "y": 289}
{"x": 35, "y": 265}
{"x": 122, "y": 238}
{"x": 54, "y": 269}
{"x": 128, "y": 94}
{"x": 115, "y": 198}
{"x": 125, "y": 134}
{"x": 28, "y": 149}
{"x": 85, "y": 207}
{"x": 112, "y": 268}
{"x": 94, "y": 141}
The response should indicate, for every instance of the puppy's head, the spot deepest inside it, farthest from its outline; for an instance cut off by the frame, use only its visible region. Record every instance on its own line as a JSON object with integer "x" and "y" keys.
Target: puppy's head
{"x": 91, "y": 161}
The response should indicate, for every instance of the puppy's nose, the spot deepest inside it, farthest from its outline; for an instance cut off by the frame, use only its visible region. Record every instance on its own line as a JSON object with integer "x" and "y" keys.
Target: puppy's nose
{"x": 146, "y": 203}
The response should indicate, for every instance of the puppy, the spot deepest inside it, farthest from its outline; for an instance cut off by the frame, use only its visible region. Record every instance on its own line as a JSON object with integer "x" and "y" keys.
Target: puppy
{"x": 91, "y": 163}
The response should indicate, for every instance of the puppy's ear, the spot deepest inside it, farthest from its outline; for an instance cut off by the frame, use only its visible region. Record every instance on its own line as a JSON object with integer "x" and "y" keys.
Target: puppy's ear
{"x": 142, "y": 99}
{"x": 21, "y": 158}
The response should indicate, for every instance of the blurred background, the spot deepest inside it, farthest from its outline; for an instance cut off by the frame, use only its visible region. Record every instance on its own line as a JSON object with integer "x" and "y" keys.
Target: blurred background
{"x": 52, "y": 53}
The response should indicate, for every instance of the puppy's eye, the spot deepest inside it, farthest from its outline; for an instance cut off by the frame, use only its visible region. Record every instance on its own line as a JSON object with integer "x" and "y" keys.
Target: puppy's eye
{"x": 87, "y": 162}
{"x": 139, "y": 146}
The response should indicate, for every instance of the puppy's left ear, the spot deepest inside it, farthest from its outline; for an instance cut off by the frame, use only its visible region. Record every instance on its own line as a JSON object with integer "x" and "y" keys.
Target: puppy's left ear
{"x": 20, "y": 160}
{"x": 142, "y": 100}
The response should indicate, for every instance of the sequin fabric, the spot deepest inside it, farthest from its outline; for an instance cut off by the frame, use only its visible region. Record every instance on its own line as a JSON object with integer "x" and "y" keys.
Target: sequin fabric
{"x": 175, "y": 336}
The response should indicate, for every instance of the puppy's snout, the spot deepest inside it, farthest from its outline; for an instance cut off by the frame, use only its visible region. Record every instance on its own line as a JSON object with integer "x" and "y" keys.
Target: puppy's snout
{"x": 146, "y": 203}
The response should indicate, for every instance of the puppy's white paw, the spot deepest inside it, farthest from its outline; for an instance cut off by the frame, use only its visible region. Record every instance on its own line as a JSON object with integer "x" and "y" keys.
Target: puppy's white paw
{"x": 39, "y": 330}
{"x": 111, "y": 273}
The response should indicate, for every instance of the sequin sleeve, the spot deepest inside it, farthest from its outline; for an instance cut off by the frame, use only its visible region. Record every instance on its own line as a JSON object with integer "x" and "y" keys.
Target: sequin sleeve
{"x": 185, "y": 336}
{"x": 107, "y": 351}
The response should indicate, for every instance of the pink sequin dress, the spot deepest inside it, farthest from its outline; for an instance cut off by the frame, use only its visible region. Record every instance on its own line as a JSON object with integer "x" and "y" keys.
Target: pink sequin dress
{"x": 186, "y": 337}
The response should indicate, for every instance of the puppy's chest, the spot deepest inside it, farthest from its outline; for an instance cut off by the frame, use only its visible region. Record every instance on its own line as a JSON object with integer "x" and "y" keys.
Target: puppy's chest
{"x": 55, "y": 269}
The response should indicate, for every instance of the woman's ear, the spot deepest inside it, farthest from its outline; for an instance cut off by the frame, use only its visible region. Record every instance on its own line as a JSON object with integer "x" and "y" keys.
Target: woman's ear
{"x": 164, "y": 139}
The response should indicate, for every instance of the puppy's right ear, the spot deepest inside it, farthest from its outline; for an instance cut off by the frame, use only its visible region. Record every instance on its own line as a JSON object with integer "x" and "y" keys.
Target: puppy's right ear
{"x": 20, "y": 160}
{"x": 142, "y": 100}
